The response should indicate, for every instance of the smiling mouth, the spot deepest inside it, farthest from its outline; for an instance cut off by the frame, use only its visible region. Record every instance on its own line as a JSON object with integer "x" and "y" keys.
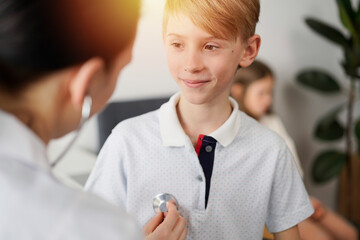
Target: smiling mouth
{"x": 194, "y": 83}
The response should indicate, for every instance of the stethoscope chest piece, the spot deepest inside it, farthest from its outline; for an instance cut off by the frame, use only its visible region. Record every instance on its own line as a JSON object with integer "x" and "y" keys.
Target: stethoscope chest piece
{"x": 161, "y": 201}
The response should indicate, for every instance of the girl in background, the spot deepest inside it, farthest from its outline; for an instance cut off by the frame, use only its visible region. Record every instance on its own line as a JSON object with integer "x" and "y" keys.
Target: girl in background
{"x": 253, "y": 90}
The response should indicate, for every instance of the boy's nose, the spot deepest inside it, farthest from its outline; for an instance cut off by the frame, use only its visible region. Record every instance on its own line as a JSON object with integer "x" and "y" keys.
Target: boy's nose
{"x": 192, "y": 69}
{"x": 193, "y": 63}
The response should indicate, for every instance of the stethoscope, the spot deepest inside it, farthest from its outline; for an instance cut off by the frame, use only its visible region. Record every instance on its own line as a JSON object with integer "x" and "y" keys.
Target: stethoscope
{"x": 161, "y": 201}
{"x": 85, "y": 115}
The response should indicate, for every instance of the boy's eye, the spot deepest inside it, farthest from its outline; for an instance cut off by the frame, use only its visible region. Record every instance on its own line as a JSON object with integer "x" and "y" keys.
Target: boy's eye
{"x": 176, "y": 45}
{"x": 211, "y": 47}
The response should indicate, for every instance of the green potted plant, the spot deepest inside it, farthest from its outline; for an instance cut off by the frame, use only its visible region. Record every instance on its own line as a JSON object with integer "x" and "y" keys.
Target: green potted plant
{"x": 331, "y": 163}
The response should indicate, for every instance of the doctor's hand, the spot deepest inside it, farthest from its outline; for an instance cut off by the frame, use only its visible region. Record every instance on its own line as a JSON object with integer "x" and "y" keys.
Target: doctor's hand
{"x": 172, "y": 228}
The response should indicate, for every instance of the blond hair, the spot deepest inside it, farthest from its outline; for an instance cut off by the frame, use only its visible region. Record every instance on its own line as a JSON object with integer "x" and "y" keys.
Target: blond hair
{"x": 224, "y": 19}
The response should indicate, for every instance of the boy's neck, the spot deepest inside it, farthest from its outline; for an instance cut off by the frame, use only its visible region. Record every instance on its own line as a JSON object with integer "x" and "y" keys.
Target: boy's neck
{"x": 198, "y": 119}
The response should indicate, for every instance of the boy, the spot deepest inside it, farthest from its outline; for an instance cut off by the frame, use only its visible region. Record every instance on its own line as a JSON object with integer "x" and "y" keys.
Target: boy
{"x": 229, "y": 174}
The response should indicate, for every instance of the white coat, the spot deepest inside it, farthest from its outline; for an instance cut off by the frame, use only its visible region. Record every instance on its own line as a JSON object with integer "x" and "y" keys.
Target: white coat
{"x": 35, "y": 205}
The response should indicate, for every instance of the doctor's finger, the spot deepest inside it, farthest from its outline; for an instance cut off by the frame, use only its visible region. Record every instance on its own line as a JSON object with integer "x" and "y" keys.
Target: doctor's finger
{"x": 172, "y": 217}
{"x": 183, "y": 234}
{"x": 179, "y": 228}
{"x": 153, "y": 224}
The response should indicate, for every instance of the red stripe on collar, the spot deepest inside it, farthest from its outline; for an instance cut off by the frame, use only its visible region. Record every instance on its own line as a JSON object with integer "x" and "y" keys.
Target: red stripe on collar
{"x": 199, "y": 143}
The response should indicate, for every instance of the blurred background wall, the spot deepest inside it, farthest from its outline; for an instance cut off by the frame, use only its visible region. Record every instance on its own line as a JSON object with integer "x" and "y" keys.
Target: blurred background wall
{"x": 287, "y": 46}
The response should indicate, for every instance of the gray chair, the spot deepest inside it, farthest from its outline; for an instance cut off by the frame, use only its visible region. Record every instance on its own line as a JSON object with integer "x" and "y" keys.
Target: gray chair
{"x": 116, "y": 112}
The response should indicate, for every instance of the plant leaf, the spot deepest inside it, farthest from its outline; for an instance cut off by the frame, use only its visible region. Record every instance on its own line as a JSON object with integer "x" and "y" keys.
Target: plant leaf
{"x": 329, "y": 32}
{"x": 348, "y": 63}
{"x": 357, "y": 130}
{"x": 328, "y": 128}
{"x": 358, "y": 17}
{"x": 328, "y": 164}
{"x": 351, "y": 64}
{"x": 347, "y": 16}
{"x": 318, "y": 80}
{"x": 348, "y": 6}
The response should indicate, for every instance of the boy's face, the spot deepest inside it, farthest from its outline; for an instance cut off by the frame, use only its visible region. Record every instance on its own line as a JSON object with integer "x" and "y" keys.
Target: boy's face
{"x": 201, "y": 64}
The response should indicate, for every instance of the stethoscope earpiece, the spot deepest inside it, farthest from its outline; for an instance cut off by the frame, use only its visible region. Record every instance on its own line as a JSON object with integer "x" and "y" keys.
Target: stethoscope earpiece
{"x": 86, "y": 109}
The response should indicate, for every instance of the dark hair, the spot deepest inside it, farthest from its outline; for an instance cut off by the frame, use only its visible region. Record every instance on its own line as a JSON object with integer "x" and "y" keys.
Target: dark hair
{"x": 41, "y": 36}
{"x": 246, "y": 76}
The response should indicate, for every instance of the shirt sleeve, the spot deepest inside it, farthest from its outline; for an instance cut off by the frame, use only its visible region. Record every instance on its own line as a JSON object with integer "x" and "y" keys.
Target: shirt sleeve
{"x": 108, "y": 179}
{"x": 289, "y": 202}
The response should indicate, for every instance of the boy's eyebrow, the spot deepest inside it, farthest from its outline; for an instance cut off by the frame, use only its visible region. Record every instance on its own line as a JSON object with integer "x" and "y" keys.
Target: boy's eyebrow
{"x": 207, "y": 38}
{"x": 174, "y": 34}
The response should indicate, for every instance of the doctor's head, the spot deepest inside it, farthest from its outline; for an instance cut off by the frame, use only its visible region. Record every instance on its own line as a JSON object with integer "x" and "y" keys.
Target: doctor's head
{"x": 55, "y": 52}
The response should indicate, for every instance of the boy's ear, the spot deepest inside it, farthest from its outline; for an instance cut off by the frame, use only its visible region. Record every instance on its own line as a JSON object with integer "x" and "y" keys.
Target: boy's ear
{"x": 251, "y": 51}
{"x": 236, "y": 91}
{"x": 81, "y": 79}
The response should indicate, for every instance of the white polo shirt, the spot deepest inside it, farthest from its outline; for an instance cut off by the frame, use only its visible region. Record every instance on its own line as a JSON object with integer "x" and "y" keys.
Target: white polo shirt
{"x": 35, "y": 205}
{"x": 254, "y": 179}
